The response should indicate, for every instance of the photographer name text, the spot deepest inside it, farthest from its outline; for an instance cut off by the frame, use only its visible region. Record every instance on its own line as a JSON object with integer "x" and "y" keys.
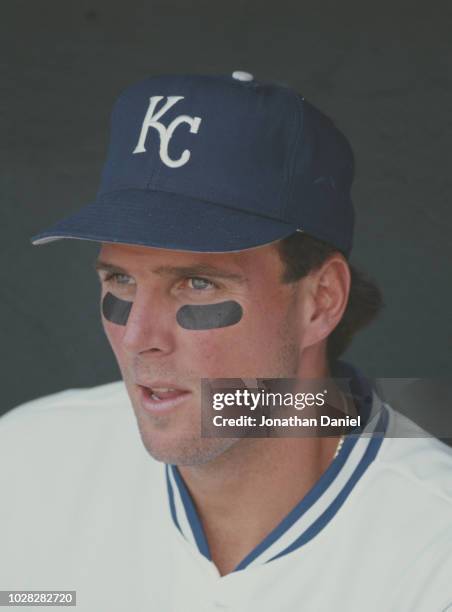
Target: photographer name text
{"x": 292, "y": 421}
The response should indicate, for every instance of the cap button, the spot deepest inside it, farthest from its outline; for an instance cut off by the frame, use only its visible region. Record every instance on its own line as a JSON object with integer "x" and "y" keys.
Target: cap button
{"x": 240, "y": 75}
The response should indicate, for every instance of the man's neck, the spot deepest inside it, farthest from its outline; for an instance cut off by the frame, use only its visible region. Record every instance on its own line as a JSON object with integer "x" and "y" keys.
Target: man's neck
{"x": 243, "y": 494}
{"x": 241, "y": 498}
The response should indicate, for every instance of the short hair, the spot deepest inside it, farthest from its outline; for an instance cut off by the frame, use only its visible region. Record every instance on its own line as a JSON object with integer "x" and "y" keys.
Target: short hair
{"x": 301, "y": 254}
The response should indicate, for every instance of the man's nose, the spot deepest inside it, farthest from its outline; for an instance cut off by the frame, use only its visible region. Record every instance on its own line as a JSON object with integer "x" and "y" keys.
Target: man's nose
{"x": 150, "y": 326}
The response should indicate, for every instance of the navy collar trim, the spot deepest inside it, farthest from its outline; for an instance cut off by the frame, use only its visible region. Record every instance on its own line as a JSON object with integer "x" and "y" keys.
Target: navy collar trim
{"x": 318, "y": 506}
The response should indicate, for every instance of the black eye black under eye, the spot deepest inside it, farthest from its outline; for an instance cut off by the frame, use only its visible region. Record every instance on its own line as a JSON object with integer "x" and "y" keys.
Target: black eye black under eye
{"x": 209, "y": 316}
{"x": 116, "y": 310}
{"x": 195, "y": 317}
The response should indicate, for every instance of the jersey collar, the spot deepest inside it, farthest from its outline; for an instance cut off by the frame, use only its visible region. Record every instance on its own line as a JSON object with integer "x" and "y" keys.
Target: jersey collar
{"x": 322, "y": 501}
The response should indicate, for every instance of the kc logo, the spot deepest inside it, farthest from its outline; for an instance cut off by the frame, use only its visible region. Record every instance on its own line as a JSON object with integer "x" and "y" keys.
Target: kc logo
{"x": 165, "y": 133}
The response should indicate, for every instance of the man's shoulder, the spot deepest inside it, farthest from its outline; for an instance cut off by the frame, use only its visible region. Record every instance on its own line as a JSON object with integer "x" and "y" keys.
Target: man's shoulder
{"x": 416, "y": 462}
{"x": 72, "y": 425}
{"x": 79, "y": 486}
{"x": 71, "y": 405}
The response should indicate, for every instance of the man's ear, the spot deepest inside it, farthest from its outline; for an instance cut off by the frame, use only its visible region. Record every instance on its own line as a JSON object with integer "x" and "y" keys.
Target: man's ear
{"x": 324, "y": 296}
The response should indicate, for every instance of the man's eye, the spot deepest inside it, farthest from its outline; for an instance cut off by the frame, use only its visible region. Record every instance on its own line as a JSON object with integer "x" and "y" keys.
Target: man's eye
{"x": 119, "y": 279}
{"x": 200, "y": 283}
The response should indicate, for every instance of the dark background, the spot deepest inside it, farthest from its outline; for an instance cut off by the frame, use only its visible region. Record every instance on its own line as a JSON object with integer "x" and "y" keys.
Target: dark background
{"x": 381, "y": 70}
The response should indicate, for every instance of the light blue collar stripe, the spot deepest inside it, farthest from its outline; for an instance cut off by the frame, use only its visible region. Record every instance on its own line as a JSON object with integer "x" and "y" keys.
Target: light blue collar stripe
{"x": 180, "y": 513}
{"x": 324, "y": 519}
{"x": 171, "y": 499}
{"x": 192, "y": 515}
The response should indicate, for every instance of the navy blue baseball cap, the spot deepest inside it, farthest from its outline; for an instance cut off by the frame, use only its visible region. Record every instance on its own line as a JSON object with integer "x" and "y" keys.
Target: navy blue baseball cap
{"x": 217, "y": 164}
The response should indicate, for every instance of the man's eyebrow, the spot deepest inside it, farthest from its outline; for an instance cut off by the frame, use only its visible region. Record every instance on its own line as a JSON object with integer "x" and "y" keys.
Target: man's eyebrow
{"x": 108, "y": 267}
{"x": 200, "y": 269}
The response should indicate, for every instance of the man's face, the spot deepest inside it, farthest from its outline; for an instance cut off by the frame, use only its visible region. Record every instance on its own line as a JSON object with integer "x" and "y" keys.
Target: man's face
{"x": 162, "y": 361}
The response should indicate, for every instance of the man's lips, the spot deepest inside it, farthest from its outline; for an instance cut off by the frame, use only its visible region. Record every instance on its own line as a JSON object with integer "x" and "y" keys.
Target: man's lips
{"x": 160, "y": 393}
{"x": 161, "y": 396}
{"x": 162, "y": 388}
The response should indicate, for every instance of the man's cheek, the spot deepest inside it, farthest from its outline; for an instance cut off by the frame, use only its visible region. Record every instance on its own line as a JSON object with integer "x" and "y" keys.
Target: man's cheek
{"x": 115, "y": 334}
{"x": 113, "y": 330}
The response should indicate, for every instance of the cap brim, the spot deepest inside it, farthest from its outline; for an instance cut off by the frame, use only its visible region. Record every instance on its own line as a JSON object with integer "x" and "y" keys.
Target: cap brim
{"x": 169, "y": 221}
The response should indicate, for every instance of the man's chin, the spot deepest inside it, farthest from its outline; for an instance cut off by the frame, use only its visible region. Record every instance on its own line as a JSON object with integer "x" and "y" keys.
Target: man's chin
{"x": 171, "y": 437}
{"x": 184, "y": 450}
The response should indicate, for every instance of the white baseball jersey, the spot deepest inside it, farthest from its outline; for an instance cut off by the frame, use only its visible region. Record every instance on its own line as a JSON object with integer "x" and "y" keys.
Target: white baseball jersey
{"x": 84, "y": 507}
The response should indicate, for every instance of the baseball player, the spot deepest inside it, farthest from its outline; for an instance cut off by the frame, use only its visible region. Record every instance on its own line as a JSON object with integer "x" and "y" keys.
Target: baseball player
{"x": 225, "y": 225}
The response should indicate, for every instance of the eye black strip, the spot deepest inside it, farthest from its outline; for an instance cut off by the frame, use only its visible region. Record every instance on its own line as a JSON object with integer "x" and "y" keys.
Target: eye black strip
{"x": 209, "y": 316}
{"x": 199, "y": 317}
{"x": 116, "y": 310}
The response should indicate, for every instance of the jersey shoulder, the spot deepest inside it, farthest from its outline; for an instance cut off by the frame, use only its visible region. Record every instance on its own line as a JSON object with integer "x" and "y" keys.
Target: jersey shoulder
{"x": 417, "y": 460}
{"x": 71, "y": 428}
{"x": 80, "y": 493}
{"x": 70, "y": 409}
{"x": 67, "y": 400}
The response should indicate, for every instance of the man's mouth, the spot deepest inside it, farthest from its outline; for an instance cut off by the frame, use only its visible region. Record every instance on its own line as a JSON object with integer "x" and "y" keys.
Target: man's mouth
{"x": 161, "y": 393}
{"x": 158, "y": 398}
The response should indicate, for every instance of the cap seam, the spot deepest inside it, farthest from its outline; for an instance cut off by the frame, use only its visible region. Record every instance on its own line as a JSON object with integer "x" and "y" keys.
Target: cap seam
{"x": 291, "y": 170}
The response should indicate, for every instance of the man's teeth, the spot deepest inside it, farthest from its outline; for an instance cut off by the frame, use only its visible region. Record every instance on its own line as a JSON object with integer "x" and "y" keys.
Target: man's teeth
{"x": 156, "y": 393}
